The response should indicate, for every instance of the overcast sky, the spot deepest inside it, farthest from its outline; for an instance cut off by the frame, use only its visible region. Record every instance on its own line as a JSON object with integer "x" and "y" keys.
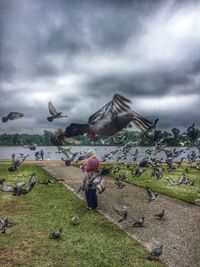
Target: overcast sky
{"x": 79, "y": 53}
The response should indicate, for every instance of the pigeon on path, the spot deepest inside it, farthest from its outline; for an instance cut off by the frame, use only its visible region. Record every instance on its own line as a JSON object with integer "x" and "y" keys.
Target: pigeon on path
{"x": 152, "y": 195}
{"x": 160, "y": 215}
{"x": 139, "y": 222}
{"x": 123, "y": 212}
{"x": 156, "y": 253}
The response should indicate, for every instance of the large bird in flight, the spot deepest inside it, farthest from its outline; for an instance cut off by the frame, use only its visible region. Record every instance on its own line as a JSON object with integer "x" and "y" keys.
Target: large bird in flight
{"x": 111, "y": 119}
{"x": 54, "y": 113}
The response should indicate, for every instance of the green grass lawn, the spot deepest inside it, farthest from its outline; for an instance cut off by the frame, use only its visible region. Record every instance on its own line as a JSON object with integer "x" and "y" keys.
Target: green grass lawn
{"x": 93, "y": 242}
{"x": 183, "y": 192}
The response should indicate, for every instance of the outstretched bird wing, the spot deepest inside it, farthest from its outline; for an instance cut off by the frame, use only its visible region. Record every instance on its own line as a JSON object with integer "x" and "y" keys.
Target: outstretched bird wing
{"x": 119, "y": 104}
{"x": 32, "y": 182}
{"x": 143, "y": 124}
{"x": 114, "y": 107}
{"x": 15, "y": 115}
{"x": 52, "y": 109}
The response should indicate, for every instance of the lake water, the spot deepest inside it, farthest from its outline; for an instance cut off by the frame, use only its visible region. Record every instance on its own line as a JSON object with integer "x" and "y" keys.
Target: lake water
{"x": 50, "y": 152}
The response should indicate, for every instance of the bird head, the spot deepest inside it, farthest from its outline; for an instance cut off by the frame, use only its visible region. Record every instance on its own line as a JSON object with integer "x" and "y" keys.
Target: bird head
{"x": 4, "y": 119}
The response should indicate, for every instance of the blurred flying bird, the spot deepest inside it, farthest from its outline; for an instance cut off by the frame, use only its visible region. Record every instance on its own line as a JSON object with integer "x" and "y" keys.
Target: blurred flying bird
{"x": 12, "y": 116}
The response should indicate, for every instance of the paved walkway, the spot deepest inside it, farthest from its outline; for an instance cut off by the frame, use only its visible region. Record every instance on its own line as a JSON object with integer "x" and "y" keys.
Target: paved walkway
{"x": 179, "y": 232}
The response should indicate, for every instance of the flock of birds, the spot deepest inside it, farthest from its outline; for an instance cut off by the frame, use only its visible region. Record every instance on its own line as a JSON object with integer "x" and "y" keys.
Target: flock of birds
{"x": 108, "y": 121}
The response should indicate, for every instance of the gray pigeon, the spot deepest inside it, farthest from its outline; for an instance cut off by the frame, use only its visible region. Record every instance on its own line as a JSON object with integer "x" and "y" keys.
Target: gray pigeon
{"x": 160, "y": 215}
{"x": 123, "y": 212}
{"x": 138, "y": 171}
{"x": 56, "y": 234}
{"x": 2, "y": 180}
{"x": 139, "y": 222}
{"x": 16, "y": 189}
{"x": 4, "y": 223}
{"x": 156, "y": 253}
{"x": 54, "y": 113}
{"x": 74, "y": 220}
{"x": 111, "y": 119}
{"x": 152, "y": 195}
{"x": 12, "y": 116}
{"x": 120, "y": 184}
{"x": 32, "y": 182}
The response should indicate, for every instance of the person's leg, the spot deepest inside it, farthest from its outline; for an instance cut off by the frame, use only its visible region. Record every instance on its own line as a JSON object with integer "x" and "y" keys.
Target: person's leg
{"x": 88, "y": 198}
{"x": 94, "y": 198}
{"x": 95, "y": 202}
{"x": 91, "y": 198}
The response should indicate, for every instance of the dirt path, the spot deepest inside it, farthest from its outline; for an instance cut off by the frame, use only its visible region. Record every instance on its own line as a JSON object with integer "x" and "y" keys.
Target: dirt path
{"x": 179, "y": 232}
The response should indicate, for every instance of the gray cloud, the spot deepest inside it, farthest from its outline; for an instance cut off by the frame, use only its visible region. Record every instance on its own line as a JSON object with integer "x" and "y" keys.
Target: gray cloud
{"x": 79, "y": 53}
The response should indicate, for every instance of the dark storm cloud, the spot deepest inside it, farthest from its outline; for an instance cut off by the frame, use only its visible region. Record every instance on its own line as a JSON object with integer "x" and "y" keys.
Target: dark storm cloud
{"x": 148, "y": 84}
{"x": 79, "y": 53}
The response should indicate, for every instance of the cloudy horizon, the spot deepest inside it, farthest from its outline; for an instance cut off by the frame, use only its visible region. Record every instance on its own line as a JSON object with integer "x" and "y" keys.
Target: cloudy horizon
{"x": 79, "y": 53}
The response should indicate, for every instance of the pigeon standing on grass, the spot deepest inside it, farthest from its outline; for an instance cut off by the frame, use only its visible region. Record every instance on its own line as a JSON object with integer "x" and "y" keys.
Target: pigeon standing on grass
{"x": 4, "y": 223}
{"x": 74, "y": 220}
{"x": 16, "y": 189}
{"x": 2, "y": 180}
{"x": 54, "y": 113}
{"x": 32, "y": 182}
{"x": 56, "y": 234}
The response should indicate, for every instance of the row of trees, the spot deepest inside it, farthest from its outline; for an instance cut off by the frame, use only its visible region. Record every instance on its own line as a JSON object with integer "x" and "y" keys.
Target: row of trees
{"x": 26, "y": 139}
{"x": 172, "y": 138}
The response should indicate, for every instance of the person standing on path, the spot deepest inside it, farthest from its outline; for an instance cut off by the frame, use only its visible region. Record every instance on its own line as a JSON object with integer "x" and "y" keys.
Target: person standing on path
{"x": 42, "y": 154}
{"x": 89, "y": 168}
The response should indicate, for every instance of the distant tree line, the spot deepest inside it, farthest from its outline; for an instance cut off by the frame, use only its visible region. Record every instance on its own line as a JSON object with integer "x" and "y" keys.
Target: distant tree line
{"x": 26, "y": 139}
{"x": 173, "y": 138}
